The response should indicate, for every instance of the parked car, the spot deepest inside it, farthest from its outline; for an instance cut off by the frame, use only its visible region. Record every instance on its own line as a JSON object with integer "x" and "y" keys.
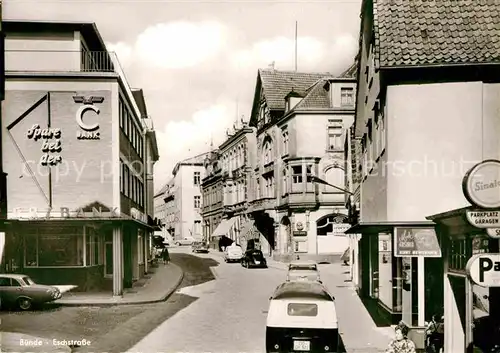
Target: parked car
{"x": 253, "y": 258}
{"x": 302, "y": 317}
{"x": 233, "y": 253}
{"x": 184, "y": 241}
{"x": 303, "y": 271}
{"x": 199, "y": 246}
{"x": 20, "y": 291}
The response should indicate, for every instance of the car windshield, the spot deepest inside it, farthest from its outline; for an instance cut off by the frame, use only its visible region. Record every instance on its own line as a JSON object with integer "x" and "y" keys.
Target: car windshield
{"x": 303, "y": 267}
{"x": 27, "y": 281}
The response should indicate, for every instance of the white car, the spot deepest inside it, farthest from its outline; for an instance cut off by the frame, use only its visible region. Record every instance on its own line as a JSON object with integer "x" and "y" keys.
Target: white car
{"x": 233, "y": 253}
{"x": 303, "y": 271}
{"x": 185, "y": 241}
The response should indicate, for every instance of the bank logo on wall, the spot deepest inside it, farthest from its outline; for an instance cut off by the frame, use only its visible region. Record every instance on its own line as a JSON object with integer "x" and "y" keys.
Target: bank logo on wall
{"x": 88, "y": 131}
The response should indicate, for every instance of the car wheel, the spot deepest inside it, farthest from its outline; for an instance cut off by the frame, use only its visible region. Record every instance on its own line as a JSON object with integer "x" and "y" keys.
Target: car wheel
{"x": 178, "y": 244}
{"x": 24, "y": 303}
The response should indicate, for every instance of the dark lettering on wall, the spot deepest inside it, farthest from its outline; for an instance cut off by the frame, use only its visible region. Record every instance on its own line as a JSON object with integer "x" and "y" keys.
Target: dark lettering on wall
{"x": 51, "y": 146}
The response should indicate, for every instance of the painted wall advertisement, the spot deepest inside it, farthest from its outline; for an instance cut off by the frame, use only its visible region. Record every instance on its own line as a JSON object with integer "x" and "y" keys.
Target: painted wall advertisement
{"x": 416, "y": 242}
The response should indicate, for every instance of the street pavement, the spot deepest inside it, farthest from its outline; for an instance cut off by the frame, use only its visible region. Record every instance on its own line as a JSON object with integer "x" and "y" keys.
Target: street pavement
{"x": 230, "y": 314}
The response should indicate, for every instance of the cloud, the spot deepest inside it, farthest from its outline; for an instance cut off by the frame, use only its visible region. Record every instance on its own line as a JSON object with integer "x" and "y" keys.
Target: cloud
{"x": 123, "y": 51}
{"x": 179, "y": 140}
{"x": 178, "y": 45}
{"x": 281, "y": 50}
{"x": 312, "y": 54}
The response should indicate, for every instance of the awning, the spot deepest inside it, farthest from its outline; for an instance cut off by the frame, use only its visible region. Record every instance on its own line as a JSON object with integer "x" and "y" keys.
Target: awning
{"x": 378, "y": 227}
{"x": 224, "y": 226}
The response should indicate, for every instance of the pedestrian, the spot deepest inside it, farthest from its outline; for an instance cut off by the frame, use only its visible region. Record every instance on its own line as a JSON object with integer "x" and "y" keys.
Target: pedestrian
{"x": 166, "y": 256}
{"x": 401, "y": 343}
{"x": 435, "y": 335}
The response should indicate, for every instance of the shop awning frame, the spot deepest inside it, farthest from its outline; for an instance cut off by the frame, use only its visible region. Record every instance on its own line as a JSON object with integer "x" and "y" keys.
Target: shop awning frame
{"x": 379, "y": 227}
{"x": 223, "y": 227}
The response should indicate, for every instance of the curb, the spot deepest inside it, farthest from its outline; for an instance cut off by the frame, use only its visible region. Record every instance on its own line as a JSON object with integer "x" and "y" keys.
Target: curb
{"x": 163, "y": 298}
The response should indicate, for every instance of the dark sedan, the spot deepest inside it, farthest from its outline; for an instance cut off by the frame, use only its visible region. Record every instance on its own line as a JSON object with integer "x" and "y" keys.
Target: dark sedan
{"x": 22, "y": 292}
{"x": 198, "y": 247}
{"x": 253, "y": 258}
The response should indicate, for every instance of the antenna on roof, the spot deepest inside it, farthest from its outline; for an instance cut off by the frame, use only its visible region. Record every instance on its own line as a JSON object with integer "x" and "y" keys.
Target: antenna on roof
{"x": 296, "y": 26}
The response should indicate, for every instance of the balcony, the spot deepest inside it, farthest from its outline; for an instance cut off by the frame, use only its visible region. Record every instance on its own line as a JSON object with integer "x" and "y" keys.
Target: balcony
{"x": 59, "y": 61}
{"x": 264, "y": 203}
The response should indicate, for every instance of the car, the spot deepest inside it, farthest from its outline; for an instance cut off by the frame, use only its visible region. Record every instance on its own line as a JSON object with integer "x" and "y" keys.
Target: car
{"x": 302, "y": 317}
{"x": 303, "y": 271}
{"x": 184, "y": 241}
{"x": 199, "y": 247}
{"x": 253, "y": 258}
{"x": 233, "y": 253}
{"x": 22, "y": 292}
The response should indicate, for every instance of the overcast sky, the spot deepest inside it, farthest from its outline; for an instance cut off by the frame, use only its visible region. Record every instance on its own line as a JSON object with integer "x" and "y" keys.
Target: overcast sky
{"x": 197, "y": 61}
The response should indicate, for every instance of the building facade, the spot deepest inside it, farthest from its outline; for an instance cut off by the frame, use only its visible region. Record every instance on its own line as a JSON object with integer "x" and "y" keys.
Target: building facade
{"x": 212, "y": 197}
{"x": 237, "y": 156}
{"x": 300, "y": 119}
{"x": 183, "y": 199}
{"x": 415, "y": 153}
{"x": 76, "y": 154}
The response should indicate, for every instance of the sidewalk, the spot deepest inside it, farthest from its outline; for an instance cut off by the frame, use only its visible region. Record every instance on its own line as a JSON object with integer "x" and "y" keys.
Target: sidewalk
{"x": 160, "y": 284}
{"x": 359, "y": 332}
{"x": 21, "y": 343}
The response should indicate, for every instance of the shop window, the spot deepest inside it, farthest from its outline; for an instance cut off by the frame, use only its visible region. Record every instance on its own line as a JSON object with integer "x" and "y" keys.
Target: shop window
{"x": 55, "y": 247}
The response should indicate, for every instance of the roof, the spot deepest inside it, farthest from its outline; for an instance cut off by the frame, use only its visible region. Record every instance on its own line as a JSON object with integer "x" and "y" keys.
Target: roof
{"x": 302, "y": 290}
{"x": 197, "y": 160}
{"x": 351, "y": 71}
{"x": 138, "y": 94}
{"x": 13, "y": 275}
{"x": 278, "y": 84}
{"x": 303, "y": 263}
{"x": 317, "y": 97}
{"x": 422, "y": 32}
{"x": 88, "y": 30}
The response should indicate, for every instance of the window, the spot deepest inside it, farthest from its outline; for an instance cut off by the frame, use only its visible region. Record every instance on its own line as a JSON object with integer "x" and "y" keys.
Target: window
{"x": 309, "y": 173}
{"x": 347, "y": 96}
{"x": 5, "y": 282}
{"x": 285, "y": 181}
{"x": 297, "y": 174}
{"x": 285, "y": 142}
{"x": 267, "y": 150}
{"x": 302, "y": 309}
{"x": 59, "y": 246}
{"x": 197, "y": 202}
{"x": 197, "y": 178}
{"x": 335, "y": 135}
{"x": 197, "y": 227}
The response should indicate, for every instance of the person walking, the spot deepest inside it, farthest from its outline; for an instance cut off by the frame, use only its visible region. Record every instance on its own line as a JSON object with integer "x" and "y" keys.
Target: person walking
{"x": 165, "y": 256}
{"x": 435, "y": 335}
{"x": 401, "y": 343}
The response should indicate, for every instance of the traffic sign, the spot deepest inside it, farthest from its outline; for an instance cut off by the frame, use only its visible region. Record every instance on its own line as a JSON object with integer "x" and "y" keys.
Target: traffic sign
{"x": 484, "y": 219}
{"x": 484, "y": 270}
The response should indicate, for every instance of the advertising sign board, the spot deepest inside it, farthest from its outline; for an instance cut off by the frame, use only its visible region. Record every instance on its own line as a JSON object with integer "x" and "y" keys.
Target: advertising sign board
{"x": 481, "y": 184}
{"x": 416, "y": 242}
{"x": 483, "y": 219}
{"x": 484, "y": 270}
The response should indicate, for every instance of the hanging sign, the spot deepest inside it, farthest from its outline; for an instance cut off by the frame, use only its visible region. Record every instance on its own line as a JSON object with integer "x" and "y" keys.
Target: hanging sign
{"x": 481, "y": 184}
{"x": 484, "y": 270}
{"x": 416, "y": 242}
{"x": 493, "y": 233}
{"x": 483, "y": 219}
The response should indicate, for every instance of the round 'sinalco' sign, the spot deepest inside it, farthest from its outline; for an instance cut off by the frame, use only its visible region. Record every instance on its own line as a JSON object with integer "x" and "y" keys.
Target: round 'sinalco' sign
{"x": 484, "y": 270}
{"x": 481, "y": 184}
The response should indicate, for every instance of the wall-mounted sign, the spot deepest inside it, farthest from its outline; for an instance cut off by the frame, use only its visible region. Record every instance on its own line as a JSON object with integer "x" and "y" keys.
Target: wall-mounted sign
{"x": 299, "y": 233}
{"x": 416, "y": 242}
{"x": 299, "y": 226}
{"x": 481, "y": 184}
{"x": 484, "y": 270}
{"x": 493, "y": 232}
{"x": 63, "y": 212}
{"x": 89, "y": 130}
{"x": 340, "y": 228}
{"x": 136, "y": 214}
{"x": 483, "y": 219}
{"x": 51, "y": 145}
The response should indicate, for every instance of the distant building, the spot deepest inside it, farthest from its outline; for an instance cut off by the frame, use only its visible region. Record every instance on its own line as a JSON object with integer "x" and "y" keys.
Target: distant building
{"x": 185, "y": 198}
{"x": 212, "y": 197}
{"x": 300, "y": 119}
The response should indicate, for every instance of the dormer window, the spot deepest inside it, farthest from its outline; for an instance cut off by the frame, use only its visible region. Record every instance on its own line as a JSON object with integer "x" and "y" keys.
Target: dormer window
{"x": 291, "y": 100}
{"x": 347, "y": 96}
